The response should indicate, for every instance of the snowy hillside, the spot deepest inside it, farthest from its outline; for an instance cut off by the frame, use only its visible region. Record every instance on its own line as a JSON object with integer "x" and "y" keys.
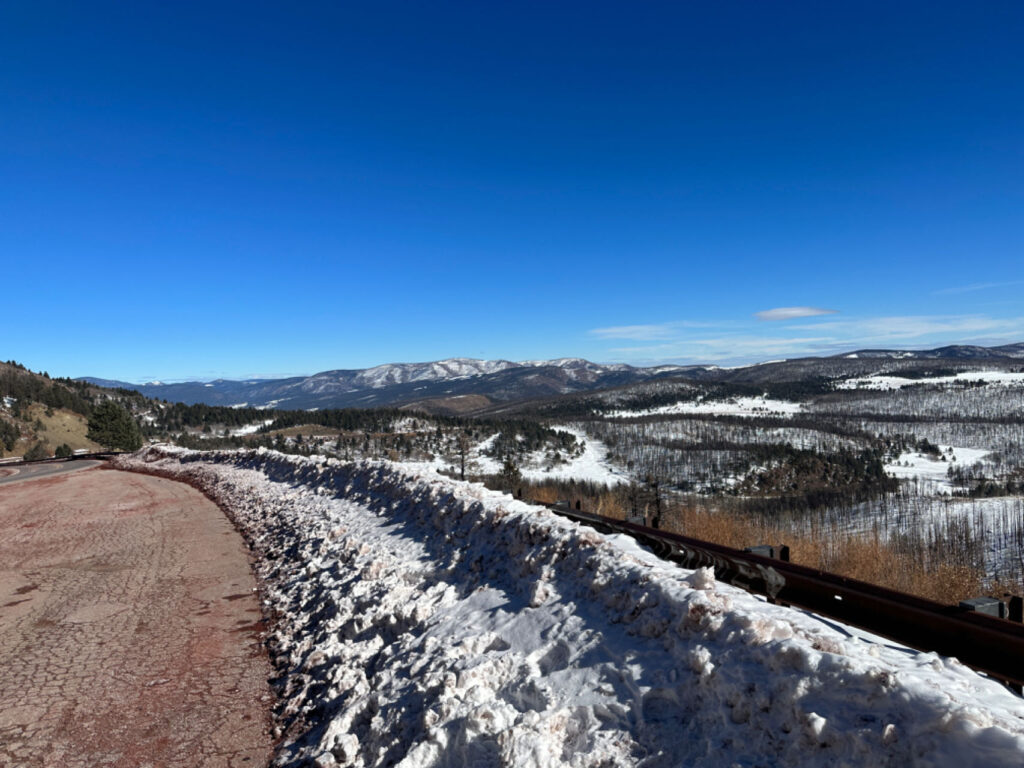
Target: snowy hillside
{"x": 982, "y": 377}
{"x": 425, "y": 622}
{"x": 733, "y": 406}
{"x": 402, "y": 373}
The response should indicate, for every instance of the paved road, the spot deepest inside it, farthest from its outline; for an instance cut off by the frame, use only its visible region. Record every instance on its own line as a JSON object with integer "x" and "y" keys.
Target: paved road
{"x": 16, "y": 473}
{"x": 128, "y": 627}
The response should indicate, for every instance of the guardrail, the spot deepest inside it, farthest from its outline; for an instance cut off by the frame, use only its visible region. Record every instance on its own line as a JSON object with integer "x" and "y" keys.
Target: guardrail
{"x": 100, "y": 455}
{"x": 991, "y": 645}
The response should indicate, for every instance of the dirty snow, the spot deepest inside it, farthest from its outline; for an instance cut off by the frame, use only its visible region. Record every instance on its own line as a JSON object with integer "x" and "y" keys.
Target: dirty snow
{"x": 425, "y": 622}
{"x": 733, "y": 406}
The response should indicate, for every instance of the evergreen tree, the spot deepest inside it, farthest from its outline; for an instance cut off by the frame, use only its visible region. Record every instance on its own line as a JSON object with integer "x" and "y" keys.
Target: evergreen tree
{"x": 37, "y": 452}
{"x": 113, "y": 427}
{"x": 510, "y": 474}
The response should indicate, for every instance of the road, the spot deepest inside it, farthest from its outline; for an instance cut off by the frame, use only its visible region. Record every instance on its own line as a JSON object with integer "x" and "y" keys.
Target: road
{"x": 128, "y": 627}
{"x": 16, "y": 473}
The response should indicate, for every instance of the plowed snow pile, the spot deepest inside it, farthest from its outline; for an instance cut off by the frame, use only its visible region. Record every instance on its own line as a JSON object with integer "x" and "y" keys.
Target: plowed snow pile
{"x": 426, "y": 622}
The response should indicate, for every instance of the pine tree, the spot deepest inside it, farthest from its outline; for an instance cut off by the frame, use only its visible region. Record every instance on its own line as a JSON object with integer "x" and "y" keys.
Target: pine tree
{"x": 510, "y": 474}
{"x": 113, "y": 427}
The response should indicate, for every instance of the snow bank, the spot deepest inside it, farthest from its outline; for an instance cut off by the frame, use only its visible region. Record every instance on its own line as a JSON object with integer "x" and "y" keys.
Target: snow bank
{"x": 425, "y": 622}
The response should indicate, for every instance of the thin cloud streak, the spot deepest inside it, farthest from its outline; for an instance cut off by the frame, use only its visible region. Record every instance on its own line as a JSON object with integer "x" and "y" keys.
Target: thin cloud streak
{"x": 975, "y": 287}
{"x": 635, "y": 332}
{"x": 907, "y": 328}
{"x": 828, "y": 337}
{"x": 650, "y": 332}
{"x": 728, "y": 349}
{"x": 791, "y": 313}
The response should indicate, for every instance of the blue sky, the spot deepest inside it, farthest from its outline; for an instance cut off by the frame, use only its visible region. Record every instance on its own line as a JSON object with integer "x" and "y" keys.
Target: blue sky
{"x": 194, "y": 190}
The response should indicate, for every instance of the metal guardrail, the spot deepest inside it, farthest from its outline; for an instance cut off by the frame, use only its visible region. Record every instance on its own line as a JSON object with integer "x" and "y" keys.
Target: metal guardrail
{"x": 99, "y": 455}
{"x": 991, "y": 645}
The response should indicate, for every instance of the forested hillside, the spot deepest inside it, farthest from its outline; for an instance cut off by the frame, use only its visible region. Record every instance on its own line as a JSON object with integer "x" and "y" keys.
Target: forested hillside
{"x": 42, "y": 416}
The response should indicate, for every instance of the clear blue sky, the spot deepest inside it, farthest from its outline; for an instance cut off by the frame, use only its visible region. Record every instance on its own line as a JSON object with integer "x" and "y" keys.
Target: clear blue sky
{"x": 193, "y": 190}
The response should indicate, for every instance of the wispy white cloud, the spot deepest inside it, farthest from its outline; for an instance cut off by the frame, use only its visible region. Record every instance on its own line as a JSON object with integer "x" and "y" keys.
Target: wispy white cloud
{"x": 873, "y": 330}
{"x": 728, "y": 349}
{"x": 791, "y": 313}
{"x": 636, "y": 332}
{"x": 975, "y": 287}
{"x": 737, "y": 344}
{"x": 652, "y": 331}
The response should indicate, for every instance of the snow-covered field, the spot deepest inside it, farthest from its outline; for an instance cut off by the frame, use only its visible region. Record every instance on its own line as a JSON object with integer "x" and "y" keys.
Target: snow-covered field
{"x": 932, "y": 471}
{"x": 426, "y": 622}
{"x": 251, "y": 429}
{"x": 477, "y": 461}
{"x": 881, "y": 381}
{"x": 591, "y": 466}
{"x": 733, "y": 406}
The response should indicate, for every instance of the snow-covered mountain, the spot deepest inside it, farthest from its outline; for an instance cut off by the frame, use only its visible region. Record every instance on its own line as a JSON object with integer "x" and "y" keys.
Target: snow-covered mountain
{"x": 481, "y": 383}
{"x": 403, "y": 383}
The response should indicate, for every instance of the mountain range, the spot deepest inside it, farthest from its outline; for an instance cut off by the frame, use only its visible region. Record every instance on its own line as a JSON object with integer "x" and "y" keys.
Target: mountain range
{"x": 463, "y": 385}
{"x": 441, "y": 383}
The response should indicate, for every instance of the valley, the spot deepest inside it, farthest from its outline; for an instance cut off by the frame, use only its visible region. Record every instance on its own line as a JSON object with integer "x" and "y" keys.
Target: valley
{"x": 908, "y": 465}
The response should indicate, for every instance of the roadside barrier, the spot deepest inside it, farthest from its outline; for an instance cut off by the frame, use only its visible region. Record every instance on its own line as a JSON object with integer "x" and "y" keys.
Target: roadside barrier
{"x": 972, "y": 631}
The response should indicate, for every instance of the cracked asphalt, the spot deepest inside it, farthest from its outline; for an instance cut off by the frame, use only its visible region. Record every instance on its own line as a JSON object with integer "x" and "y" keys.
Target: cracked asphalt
{"x": 129, "y": 627}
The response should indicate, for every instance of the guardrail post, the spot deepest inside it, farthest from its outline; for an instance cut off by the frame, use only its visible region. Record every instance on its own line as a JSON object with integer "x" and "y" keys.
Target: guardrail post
{"x": 987, "y": 605}
{"x": 1015, "y": 612}
{"x": 780, "y": 552}
{"x": 1012, "y": 609}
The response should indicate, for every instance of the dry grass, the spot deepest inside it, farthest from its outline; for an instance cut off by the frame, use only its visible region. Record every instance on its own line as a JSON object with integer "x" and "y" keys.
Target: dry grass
{"x": 541, "y": 495}
{"x": 940, "y": 573}
{"x": 865, "y": 558}
{"x": 455, "y": 405}
{"x": 60, "y": 427}
{"x": 64, "y": 427}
